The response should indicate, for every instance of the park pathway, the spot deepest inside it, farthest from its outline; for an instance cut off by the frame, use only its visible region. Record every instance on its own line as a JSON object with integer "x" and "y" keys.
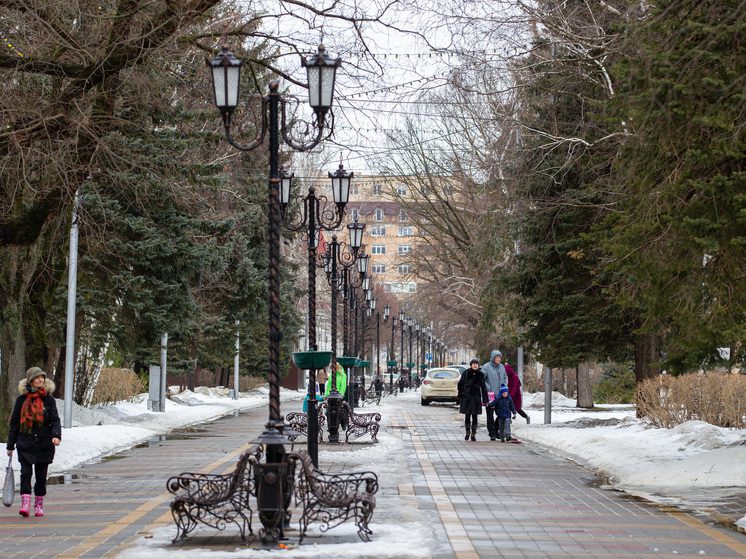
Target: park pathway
{"x": 478, "y": 499}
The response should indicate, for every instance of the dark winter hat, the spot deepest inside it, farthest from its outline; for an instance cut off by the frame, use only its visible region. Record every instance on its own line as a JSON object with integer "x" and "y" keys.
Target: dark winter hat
{"x": 503, "y": 388}
{"x": 34, "y": 372}
{"x": 474, "y": 361}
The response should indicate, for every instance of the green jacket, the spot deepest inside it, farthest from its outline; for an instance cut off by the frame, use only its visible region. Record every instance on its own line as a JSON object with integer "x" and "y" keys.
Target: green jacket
{"x": 341, "y": 382}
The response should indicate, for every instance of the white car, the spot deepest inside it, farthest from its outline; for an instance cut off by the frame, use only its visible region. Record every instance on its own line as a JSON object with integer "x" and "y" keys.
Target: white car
{"x": 439, "y": 385}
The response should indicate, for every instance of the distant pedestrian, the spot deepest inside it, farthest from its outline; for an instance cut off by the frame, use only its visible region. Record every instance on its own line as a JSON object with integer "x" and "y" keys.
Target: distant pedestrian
{"x": 35, "y": 429}
{"x": 505, "y": 411}
{"x": 495, "y": 377}
{"x": 341, "y": 379}
{"x": 321, "y": 377}
{"x": 472, "y": 395}
{"x": 319, "y": 397}
{"x": 514, "y": 389}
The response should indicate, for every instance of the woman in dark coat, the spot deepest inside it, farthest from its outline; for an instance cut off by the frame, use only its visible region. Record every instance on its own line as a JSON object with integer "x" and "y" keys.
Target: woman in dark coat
{"x": 472, "y": 393}
{"x": 35, "y": 428}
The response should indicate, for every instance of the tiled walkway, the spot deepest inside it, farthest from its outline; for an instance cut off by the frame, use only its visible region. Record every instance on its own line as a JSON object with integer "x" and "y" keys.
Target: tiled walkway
{"x": 483, "y": 499}
{"x": 516, "y": 500}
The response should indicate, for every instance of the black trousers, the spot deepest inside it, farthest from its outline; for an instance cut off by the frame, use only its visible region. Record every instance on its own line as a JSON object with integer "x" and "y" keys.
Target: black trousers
{"x": 40, "y": 486}
{"x": 523, "y": 414}
{"x": 470, "y": 421}
{"x": 491, "y": 422}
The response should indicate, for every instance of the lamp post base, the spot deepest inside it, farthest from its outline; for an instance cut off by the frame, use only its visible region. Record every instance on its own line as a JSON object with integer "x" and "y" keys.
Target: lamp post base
{"x": 334, "y": 415}
{"x": 273, "y": 485}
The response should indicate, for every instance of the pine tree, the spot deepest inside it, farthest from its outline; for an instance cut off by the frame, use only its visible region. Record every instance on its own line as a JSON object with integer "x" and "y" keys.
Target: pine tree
{"x": 678, "y": 237}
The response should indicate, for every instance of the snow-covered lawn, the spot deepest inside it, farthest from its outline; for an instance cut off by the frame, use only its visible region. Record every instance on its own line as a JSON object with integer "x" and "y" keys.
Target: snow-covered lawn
{"x": 103, "y": 430}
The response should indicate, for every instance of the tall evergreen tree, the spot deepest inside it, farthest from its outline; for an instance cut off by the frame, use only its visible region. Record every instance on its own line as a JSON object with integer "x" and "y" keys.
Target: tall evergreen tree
{"x": 678, "y": 235}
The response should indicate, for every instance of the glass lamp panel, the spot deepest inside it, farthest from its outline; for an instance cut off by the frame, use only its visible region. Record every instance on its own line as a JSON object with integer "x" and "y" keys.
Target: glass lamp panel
{"x": 219, "y": 80}
{"x": 314, "y": 85}
{"x": 373, "y": 304}
{"x": 285, "y": 185}
{"x": 366, "y": 282}
{"x": 369, "y": 312}
{"x": 327, "y": 86}
{"x": 233, "y": 75}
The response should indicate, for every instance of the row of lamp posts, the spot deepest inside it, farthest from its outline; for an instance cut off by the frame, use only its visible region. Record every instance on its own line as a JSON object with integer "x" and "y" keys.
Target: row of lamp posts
{"x": 273, "y": 484}
{"x": 311, "y": 217}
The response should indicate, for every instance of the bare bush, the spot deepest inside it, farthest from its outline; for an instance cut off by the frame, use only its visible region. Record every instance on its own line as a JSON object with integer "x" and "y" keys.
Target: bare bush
{"x": 117, "y": 385}
{"x": 715, "y": 398}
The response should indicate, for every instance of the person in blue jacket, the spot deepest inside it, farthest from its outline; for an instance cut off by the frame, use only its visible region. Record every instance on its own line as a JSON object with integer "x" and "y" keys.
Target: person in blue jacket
{"x": 504, "y": 411}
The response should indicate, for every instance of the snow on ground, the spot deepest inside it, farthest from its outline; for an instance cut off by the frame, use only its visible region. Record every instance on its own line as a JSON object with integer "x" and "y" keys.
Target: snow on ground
{"x": 694, "y": 461}
{"x": 668, "y": 465}
{"x": 102, "y": 430}
{"x": 400, "y": 531}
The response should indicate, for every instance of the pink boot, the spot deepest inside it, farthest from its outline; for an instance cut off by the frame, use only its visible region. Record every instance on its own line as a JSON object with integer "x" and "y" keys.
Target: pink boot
{"x": 25, "y": 505}
{"x": 38, "y": 506}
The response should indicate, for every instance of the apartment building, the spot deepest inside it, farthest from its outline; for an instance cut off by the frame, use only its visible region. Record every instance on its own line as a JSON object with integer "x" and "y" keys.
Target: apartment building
{"x": 390, "y": 235}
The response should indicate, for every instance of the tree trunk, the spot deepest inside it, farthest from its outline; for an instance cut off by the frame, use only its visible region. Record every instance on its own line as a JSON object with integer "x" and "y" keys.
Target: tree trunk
{"x": 647, "y": 356}
{"x": 585, "y": 390}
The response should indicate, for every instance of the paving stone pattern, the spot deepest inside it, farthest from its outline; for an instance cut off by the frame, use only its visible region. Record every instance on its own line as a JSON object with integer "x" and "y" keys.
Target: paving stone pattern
{"x": 484, "y": 499}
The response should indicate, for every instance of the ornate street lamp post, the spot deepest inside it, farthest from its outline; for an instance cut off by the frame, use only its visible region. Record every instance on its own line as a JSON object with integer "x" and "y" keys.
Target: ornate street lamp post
{"x": 392, "y": 353}
{"x": 402, "y": 324}
{"x": 226, "y": 72}
{"x": 312, "y": 217}
{"x": 344, "y": 256}
{"x": 410, "y": 323}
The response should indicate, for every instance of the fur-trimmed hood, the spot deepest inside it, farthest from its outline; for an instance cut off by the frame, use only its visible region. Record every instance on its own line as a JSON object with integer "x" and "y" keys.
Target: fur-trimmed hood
{"x": 48, "y": 386}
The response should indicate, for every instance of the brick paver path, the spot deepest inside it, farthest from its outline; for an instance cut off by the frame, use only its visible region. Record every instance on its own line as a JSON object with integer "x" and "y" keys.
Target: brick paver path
{"x": 483, "y": 499}
{"x": 518, "y": 500}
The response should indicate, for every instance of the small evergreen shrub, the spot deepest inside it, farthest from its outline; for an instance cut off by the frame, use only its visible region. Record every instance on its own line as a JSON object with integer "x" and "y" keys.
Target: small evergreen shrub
{"x": 617, "y": 386}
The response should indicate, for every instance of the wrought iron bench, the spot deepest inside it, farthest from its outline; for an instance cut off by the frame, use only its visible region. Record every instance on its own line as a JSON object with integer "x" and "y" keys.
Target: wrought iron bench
{"x": 298, "y": 421}
{"x": 331, "y": 499}
{"x": 215, "y": 500}
{"x": 360, "y": 423}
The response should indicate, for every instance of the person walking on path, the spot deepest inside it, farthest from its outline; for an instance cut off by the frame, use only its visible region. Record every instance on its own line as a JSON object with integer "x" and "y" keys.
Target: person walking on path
{"x": 514, "y": 390}
{"x": 505, "y": 410}
{"x": 495, "y": 374}
{"x": 36, "y": 430}
{"x": 472, "y": 395}
{"x": 341, "y": 382}
{"x": 321, "y": 377}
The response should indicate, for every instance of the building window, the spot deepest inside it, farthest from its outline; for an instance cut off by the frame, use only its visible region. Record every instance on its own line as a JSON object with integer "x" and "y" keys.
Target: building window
{"x": 378, "y": 249}
{"x": 379, "y": 268}
{"x": 404, "y": 287}
{"x": 377, "y": 189}
{"x": 355, "y": 214}
{"x": 387, "y": 287}
{"x": 378, "y": 231}
{"x": 405, "y": 231}
{"x": 379, "y": 214}
{"x": 403, "y": 215}
{"x": 405, "y": 249}
{"x": 405, "y": 269}
{"x": 401, "y": 190}
{"x": 354, "y": 189}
